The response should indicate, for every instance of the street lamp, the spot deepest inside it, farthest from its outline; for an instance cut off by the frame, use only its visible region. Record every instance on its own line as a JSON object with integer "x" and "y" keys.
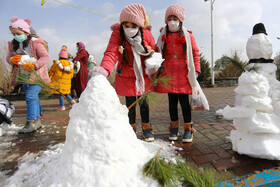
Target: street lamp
{"x": 212, "y": 45}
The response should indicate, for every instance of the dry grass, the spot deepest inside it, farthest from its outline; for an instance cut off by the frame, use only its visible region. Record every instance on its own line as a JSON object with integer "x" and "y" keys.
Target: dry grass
{"x": 231, "y": 70}
{"x": 5, "y": 69}
{"x": 111, "y": 78}
{"x": 235, "y": 68}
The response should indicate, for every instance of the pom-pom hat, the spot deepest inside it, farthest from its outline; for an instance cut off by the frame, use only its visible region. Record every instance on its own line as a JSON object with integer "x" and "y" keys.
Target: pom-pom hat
{"x": 177, "y": 11}
{"x": 63, "y": 53}
{"x": 21, "y": 24}
{"x": 134, "y": 13}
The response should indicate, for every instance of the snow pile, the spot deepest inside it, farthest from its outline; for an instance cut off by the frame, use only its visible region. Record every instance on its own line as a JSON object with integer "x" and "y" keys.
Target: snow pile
{"x": 269, "y": 71}
{"x": 6, "y": 129}
{"x": 257, "y": 125}
{"x": 101, "y": 149}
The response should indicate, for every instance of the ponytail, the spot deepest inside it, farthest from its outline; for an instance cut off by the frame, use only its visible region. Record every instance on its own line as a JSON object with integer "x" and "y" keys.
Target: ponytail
{"x": 166, "y": 34}
{"x": 142, "y": 37}
{"x": 180, "y": 35}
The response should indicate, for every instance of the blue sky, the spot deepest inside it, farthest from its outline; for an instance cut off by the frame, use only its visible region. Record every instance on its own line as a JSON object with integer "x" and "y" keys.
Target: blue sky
{"x": 60, "y": 24}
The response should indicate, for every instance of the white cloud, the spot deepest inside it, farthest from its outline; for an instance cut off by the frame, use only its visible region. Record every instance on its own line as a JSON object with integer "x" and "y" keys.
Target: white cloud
{"x": 108, "y": 8}
{"x": 113, "y": 18}
{"x": 49, "y": 35}
{"x": 110, "y": 15}
{"x": 97, "y": 44}
{"x": 273, "y": 31}
{"x": 156, "y": 20}
{"x": 233, "y": 22}
{"x": 241, "y": 13}
{"x": 107, "y": 14}
{"x": 54, "y": 42}
{"x": 232, "y": 19}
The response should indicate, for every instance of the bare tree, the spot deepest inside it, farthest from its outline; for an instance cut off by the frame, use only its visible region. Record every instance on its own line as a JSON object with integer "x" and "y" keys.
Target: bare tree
{"x": 277, "y": 58}
{"x": 5, "y": 69}
{"x": 277, "y": 62}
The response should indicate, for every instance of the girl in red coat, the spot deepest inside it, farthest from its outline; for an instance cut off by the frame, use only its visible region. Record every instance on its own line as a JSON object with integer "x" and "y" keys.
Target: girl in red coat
{"x": 130, "y": 44}
{"x": 182, "y": 63}
{"x": 82, "y": 75}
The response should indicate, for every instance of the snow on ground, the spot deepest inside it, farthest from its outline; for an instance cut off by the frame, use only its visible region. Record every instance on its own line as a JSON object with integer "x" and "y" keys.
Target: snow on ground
{"x": 6, "y": 129}
{"x": 101, "y": 149}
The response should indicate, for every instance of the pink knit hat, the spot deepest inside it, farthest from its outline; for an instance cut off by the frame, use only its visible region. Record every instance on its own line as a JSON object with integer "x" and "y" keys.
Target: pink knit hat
{"x": 134, "y": 13}
{"x": 63, "y": 53}
{"x": 21, "y": 24}
{"x": 177, "y": 11}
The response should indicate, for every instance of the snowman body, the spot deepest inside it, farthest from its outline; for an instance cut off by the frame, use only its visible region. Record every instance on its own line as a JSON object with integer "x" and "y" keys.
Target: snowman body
{"x": 256, "y": 114}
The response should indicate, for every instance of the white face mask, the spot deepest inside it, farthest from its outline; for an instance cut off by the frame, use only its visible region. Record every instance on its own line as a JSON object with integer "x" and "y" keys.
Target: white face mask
{"x": 173, "y": 26}
{"x": 130, "y": 32}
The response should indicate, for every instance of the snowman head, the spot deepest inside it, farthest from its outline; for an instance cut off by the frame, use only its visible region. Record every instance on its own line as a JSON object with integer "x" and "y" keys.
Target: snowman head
{"x": 259, "y": 45}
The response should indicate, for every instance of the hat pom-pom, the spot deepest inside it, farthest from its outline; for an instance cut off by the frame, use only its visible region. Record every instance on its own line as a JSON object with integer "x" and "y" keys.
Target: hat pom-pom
{"x": 115, "y": 26}
{"x": 13, "y": 19}
{"x": 28, "y": 21}
{"x": 149, "y": 27}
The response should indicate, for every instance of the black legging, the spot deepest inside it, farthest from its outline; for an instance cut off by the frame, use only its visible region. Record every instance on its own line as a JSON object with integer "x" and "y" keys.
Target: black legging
{"x": 185, "y": 105}
{"x": 144, "y": 110}
{"x": 79, "y": 94}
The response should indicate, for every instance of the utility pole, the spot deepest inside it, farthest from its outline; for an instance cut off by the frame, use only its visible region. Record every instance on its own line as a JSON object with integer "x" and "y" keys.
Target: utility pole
{"x": 212, "y": 43}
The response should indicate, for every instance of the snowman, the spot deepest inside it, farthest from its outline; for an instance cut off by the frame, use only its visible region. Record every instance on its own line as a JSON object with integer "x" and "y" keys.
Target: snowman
{"x": 259, "y": 52}
{"x": 256, "y": 114}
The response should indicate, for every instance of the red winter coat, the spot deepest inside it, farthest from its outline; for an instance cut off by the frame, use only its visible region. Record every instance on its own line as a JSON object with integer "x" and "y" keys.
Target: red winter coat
{"x": 125, "y": 82}
{"x": 176, "y": 65}
{"x": 82, "y": 75}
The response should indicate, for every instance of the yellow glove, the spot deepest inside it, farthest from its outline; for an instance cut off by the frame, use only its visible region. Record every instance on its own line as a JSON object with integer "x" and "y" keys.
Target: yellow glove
{"x": 28, "y": 67}
{"x": 16, "y": 59}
